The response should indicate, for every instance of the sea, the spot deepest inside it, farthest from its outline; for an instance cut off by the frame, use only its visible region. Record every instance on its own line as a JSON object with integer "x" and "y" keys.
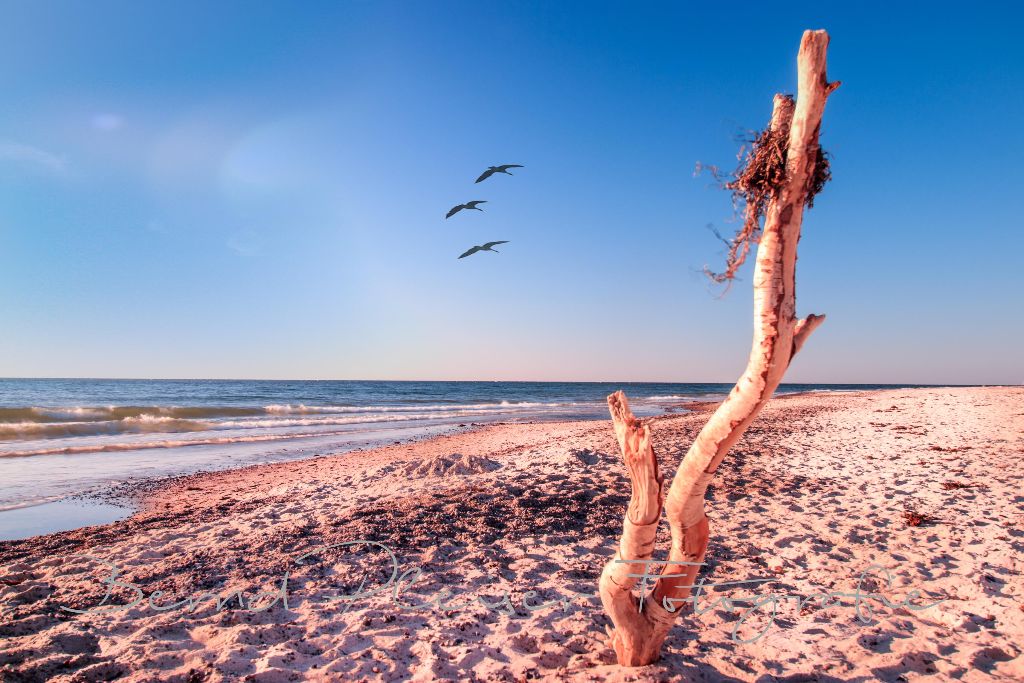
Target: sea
{"x": 62, "y": 438}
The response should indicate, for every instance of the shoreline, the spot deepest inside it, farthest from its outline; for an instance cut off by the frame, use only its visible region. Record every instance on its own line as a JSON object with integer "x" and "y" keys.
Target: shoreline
{"x": 129, "y": 494}
{"x": 59, "y": 469}
{"x": 814, "y": 493}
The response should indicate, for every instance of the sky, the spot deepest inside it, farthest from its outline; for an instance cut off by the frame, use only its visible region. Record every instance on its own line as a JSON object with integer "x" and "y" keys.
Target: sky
{"x": 258, "y": 190}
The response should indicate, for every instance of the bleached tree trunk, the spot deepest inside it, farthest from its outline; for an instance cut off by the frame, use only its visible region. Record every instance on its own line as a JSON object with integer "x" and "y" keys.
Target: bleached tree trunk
{"x": 640, "y": 627}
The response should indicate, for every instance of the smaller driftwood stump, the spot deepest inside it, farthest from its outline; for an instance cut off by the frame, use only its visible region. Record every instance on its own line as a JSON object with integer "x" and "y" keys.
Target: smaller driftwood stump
{"x": 641, "y": 625}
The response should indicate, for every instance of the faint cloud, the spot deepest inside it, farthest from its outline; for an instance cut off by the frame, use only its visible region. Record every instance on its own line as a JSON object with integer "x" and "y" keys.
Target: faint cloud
{"x": 244, "y": 242}
{"x": 31, "y": 156}
{"x": 107, "y": 122}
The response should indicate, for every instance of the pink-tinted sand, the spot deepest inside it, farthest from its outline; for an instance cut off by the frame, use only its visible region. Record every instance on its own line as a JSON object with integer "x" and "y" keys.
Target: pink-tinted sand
{"x": 820, "y": 488}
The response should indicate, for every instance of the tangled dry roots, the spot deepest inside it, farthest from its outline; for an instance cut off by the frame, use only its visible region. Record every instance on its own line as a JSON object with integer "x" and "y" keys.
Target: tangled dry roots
{"x": 759, "y": 177}
{"x": 822, "y": 174}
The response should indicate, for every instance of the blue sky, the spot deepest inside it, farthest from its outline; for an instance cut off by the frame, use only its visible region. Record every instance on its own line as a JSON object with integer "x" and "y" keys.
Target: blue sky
{"x": 257, "y": 190}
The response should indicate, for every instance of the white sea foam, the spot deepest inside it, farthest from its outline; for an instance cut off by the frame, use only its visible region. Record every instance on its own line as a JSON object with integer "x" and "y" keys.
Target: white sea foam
{"x": 301, "y": 409}
{"x": 87, "y": 434}
{"x": 170, "y": 443}
{"x": 10, "y": 431}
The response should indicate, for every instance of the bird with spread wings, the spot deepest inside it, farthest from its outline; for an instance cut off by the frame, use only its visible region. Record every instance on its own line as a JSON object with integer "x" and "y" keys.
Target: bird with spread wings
{"x": 468, "y": 205}
{"x": 491, "y": 170}
{"x": 484, "y": 247}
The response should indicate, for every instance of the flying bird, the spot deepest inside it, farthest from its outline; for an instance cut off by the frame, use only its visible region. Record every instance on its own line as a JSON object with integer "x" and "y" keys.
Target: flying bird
{"x": 467, "y": 205}
{"x": 486, "y": 247}
{"x": 491, "y": 170}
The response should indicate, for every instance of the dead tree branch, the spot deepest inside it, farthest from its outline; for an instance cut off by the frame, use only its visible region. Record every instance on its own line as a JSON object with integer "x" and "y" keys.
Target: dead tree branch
{"x": 640, "y": 627}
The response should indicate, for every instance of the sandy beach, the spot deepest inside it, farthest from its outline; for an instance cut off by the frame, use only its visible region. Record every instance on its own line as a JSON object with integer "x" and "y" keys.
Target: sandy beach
{"x": 508, "y": 342}
{"x": 509, "y": 526}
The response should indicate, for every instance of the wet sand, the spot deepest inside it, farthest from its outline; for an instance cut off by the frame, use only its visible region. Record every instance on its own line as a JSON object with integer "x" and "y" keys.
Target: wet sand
{"x": 925, "y": 483}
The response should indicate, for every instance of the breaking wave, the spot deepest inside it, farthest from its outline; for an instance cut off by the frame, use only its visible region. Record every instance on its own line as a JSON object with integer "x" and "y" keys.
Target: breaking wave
{"x": 48, "y": 430}
{"x": 46, "y": 423}
{"x": 176, "y": 443}
{"x": 130, "y": 425}
{"x": 110, "y": 413}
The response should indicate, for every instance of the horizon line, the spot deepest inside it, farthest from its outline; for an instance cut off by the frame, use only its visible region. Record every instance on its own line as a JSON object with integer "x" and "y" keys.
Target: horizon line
{"x": 490, "y": 381}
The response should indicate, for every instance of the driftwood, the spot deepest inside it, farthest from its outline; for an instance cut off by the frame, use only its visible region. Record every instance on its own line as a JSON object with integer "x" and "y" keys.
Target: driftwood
{"x": 641, "y": 625}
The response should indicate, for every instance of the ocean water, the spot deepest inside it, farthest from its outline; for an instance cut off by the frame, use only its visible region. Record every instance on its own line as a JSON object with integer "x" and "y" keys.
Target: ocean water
{"x": 61, "y": 437}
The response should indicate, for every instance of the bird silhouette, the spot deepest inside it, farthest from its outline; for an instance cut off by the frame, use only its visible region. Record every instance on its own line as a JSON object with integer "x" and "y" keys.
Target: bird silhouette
{"x": 491, "y": 170}
{"x": 467, "y": 205}
{"x": 486, "y": 247}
